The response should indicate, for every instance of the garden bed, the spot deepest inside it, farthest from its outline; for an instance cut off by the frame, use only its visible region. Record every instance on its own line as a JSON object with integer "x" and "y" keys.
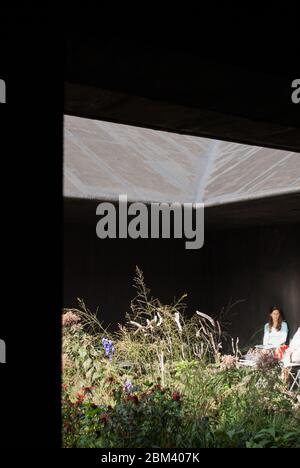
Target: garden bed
{"x": 162, "y": 381}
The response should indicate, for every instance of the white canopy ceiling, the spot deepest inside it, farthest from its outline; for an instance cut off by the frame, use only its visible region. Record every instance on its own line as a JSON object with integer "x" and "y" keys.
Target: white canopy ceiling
{"x": 103, "y": 160}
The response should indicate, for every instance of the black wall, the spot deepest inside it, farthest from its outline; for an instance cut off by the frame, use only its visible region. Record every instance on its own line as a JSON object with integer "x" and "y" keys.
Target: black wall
{"x": 258, "y": 265}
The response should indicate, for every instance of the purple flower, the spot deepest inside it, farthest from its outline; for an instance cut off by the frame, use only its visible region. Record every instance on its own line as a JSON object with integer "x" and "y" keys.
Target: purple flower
{"x": 108, "y": 347}
{"x": 128, "y": 387}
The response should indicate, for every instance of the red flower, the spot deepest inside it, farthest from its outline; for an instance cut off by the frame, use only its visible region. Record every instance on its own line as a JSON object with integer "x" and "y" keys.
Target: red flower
{"x": 88, "y": 389}
{"x": 133, "y": 398}
{"x": 157, "y": 387}
{"x": 80, "y": 397}
{"x": 66, "y": 425}
{"x": 176, "y": 396}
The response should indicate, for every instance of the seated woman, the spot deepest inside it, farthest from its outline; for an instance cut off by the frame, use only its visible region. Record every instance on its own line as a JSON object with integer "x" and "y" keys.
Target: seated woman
{"x": 276, "y": 331}
{"x": 292, "y": 354}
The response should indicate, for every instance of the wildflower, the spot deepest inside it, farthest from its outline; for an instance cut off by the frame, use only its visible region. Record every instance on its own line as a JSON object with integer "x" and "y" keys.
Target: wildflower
{"x": 138, "y": 325}
{"x": 207, "y": 317}
{"x": 69, "y": 319}
{"x": 108, "y": 347}
{"x": 66, "y": 426}
{"x": 128, "y": 387}
{"x": 149, "y": 324}
{"x": 79, "y": 398}
{"x": 176, "y": 396}
{"x": 88, "y": 389}
{"x": 228, "y": 362}
{"x": 133, "y": 398}
{"x": 157, "y": 387}
{"x": 66, "y": 362}
{"x": 177, "y": 321}
{"x": 160, "y": 321}
{"x": 76, "y": 327}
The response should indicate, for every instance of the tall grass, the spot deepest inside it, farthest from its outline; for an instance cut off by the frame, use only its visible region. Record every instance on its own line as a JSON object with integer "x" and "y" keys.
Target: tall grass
{"x": 155, "y": 336}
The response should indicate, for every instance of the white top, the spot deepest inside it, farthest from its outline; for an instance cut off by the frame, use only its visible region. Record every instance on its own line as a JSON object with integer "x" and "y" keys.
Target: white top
{"x": 275, "y": 337}
{"x": 292, "y": 355}
{"x": 295, "y": 342}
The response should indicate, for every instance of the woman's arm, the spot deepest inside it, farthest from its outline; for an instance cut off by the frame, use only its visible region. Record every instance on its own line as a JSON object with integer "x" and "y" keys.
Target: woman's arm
{"x": 283, "y": 332}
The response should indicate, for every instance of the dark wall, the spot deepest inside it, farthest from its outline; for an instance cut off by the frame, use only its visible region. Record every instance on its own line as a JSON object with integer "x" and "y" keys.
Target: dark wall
{"x": 258, "y": 265}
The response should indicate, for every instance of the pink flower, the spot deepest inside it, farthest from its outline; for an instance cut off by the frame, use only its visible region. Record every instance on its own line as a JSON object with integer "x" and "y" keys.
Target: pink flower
{"x": 228, "y": 362}
{"x": 69, "y": 319}
{"x": 80, "y": 398}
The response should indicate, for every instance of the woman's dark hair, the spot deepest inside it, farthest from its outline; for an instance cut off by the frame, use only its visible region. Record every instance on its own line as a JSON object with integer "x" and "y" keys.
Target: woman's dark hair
{"x": 279, "y": 319}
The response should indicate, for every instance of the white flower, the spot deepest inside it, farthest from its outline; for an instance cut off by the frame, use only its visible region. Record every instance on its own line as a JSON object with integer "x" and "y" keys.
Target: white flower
{"x": 176, "y": 318}
{"x": 136, "y": 324}
{"x": 160, "y": 319}
{"x": 206, "y": 317}
{"x": 149, "y": 324}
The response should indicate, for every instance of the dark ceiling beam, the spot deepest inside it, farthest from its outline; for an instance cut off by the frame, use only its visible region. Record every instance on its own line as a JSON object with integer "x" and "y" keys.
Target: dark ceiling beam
{"x": 119, "y": 107}
{"x": 277, "y": 209}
